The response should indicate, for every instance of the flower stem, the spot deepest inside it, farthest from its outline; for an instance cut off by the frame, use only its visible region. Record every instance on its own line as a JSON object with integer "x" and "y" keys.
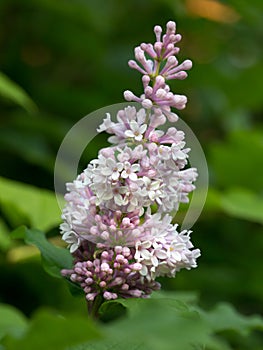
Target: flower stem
{"x": 93, "y": 306}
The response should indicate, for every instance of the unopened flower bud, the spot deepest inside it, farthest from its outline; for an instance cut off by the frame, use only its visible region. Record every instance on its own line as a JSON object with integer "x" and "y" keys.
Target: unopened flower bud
{"x": 146, "y": 103}
{"x": 118, "y": 249}
{"x": 128, "y": 95}
{"x": 171, "y": 27}
{"x": 104, "y": 267}
{"x": 158, "y": 31}
{"x": 136, "y": 266}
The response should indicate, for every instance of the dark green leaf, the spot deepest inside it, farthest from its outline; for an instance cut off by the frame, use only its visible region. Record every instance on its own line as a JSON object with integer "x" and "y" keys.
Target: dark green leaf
{"x": 12, "y": 321}
{"x": 235, "y": 162}
{"x": 159, "y": 324}
{"x": 48, "y": 330}
{"x": 111, "y": 310}
{"x": 16, "y": 94}
{"x": 225, "y": 317}
{"x": 25, "y": 204}
{"x": 5, "y": 240}
{"x": 54, "y": 258}
{"x": 243, "y": 203}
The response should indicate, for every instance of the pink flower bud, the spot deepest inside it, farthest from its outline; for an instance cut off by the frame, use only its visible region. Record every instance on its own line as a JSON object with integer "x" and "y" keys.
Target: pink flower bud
{"x": 161, "y": 93}
{"x": 146, "y": 103}
{"x": 102, "y": 284}
{"x": 126, "y": 221}
{"x": 125, "y": 286}
{"x": 105, "y": 267}
{"x": 126, "y": 252}
{"x": 136, "y": 266}
{"x": 128, "y": 95}
{"x": 158, "y": 32}
{"x": 91, "y": 296}
{"x": 171, "y": 27}
{"x": 151, "y": 173}
{"x": 118, "y": 249}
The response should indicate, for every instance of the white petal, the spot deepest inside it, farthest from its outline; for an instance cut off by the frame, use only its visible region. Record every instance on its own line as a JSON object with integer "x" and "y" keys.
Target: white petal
{"x": 144, "y": 271}
{"x": 135, "y": 167}
{"x": 134, "y": 125}
{"x": 138, "y": 137}
{"x": 176, "y": 256}
{"x": 142, "y": 128}
{"x": 129, "y": 133}
{"x": 115, "y": 175}
{"x": 124, "y": 174}
{"x": 74, "y": 247}
{"x": 133, "y": 176}
{"x": 161, "y": 254}
{"x": 154, "y": 261}
{"x": 118, "y": 199}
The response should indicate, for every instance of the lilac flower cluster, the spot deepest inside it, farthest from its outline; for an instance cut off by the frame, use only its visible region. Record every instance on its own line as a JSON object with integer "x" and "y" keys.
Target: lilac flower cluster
{"x": 117, "y": 220}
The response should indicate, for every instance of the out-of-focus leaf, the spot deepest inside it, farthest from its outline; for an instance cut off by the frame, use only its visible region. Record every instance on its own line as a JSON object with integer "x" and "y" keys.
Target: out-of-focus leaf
{"x": 54, "y": 258}
{"x": 237, "y": 161}
{"x": 29, "y": 146}
{"x": 168, "y": 323}
{"x": 12, "y": 321}
{"x": 225, "y": 317}
{"x": 159, "y": 324}
{"x": 243, "y": 203}
{"x": 16, "y": 94}
{"x": 111, "y": 310}
{"x": 25, "y": 204}
{"x": 5, "y": 240}
{"x": 240, "y": 203}
{"x": 54, "y": 332}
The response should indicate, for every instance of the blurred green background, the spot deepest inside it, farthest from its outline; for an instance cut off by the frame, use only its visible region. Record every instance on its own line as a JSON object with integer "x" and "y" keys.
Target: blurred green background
{"x": 60, "y": 60}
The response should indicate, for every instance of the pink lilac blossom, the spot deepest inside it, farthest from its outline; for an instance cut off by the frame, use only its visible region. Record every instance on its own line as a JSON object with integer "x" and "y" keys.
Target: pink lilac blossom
{"x": 117, "y": 219}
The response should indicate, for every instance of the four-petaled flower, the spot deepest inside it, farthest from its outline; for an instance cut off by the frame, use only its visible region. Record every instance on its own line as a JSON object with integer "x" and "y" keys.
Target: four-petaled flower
{"x": 136, "y": 131}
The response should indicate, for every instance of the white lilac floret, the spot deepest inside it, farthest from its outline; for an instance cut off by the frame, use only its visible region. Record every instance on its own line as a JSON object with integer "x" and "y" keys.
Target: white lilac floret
{"x": 117, "y": 219}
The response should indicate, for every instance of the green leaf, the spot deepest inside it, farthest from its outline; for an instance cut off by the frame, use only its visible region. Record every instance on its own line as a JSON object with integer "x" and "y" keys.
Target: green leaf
{"x": 54, "y": 258}
{"x": 48, "y": 330}
{"x": 5, "y": 240}
{"x": 13, "y": 92}
{"x": 111, "y": 310}
{"x": 25, "y": 204}
{"x": 159, "y": 324}
{"x": 12, "y": 321}
{"x": 244, "y": 204}
{"x": 165, "y": 320}
{"x": 235, "y": 161}
{"x": 225, "y": 317}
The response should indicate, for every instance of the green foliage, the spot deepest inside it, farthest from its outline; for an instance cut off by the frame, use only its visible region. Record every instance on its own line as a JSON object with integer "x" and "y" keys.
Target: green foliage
{"x": 164, "y": 321}
{"x": 25, "y": 204}
{"x": 5, "y": 240}
{"x": 167, "y": 321}
{"x": 237, "y": 159}
{"x": 60, "y": 332}
{"x": 12, "y": 321}
{"x": 54, "y": 258}
{"x": 13, "y": 92}
{"x": 244, "y": 204}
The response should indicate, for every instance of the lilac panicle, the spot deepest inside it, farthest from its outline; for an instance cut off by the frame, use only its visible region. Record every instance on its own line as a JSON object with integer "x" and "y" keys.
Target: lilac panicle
{"x": 117, "y": 219}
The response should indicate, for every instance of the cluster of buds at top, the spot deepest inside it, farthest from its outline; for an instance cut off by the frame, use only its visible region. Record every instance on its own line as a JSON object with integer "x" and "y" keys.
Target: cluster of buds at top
{"x": 158, "y": 64}
{"x": 117, "y": 218}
